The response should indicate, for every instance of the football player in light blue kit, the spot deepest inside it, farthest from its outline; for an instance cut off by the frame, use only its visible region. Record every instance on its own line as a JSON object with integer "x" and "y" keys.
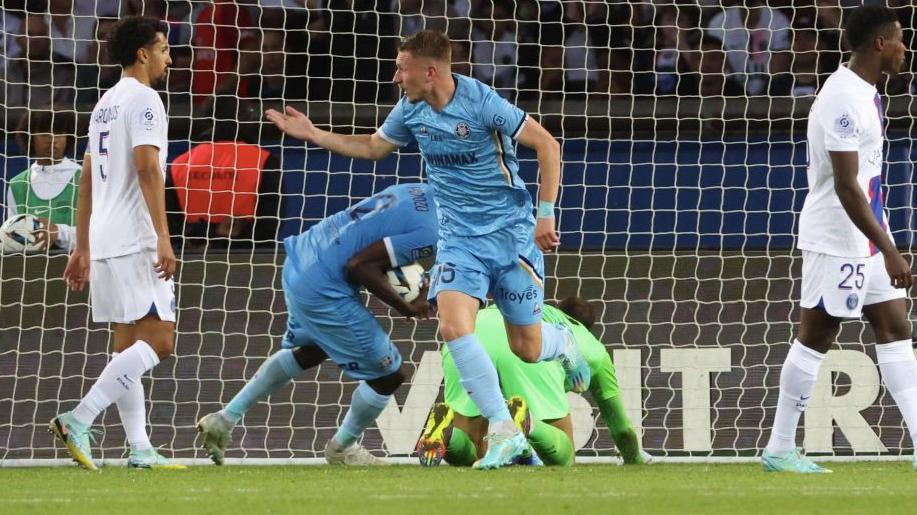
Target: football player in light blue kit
{"x": 489, "y": 241}
{"x": 322, "y": 275}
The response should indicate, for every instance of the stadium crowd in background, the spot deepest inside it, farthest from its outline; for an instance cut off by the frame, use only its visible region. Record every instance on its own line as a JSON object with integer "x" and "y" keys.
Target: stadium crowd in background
{"x": 340, "y": 49}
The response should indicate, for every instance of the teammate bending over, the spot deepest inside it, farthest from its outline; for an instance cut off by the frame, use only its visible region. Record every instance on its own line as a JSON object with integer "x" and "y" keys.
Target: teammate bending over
{"x": 455, "y": 428}
{"x": 122, "y": 241}
{"x": 850, "y": 265}
{"x": 322, "y": 275}
{"x": 488, "y": 233}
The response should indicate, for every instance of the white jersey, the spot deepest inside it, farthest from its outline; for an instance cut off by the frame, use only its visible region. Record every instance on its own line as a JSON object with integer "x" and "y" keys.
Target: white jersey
{"x": 846, "y": 116}
{"x": 128, "y": 115}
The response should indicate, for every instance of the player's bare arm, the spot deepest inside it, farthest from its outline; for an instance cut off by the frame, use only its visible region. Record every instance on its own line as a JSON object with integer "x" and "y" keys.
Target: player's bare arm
{"x": 76, "y": 275}
{"x": 547, "y": 149}
{"x": 360, "y": 146}
{"x": 146, "y": 159}
{"x": 845, "y": 166}
{"x": 368, "y": 268}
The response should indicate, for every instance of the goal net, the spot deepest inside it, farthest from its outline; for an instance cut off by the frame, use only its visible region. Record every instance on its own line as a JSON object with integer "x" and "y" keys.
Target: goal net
{"x": 683, "y": 175}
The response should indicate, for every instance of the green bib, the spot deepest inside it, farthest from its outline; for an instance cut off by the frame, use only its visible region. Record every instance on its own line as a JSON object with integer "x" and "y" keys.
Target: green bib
{"x": 60, "y": 209}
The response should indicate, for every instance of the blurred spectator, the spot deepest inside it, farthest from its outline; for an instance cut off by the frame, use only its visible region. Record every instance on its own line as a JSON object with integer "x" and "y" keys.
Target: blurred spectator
{"x": 105, "y": 73}
{"x": 360, "y": 38}
{"x": 756, "y": 39}
{"x": 494, "y": 47}
{"x": 631, "y": 44}
{"x": 261, "y": 66}
{"x": 461, "y": 62}
{"x": 676, "y": 28}
{"x": 571, "y": 48}
{"x": 12, "y": 58}
{"x": 48, "y": 188}
{"x": 711, "y": 70}
{"x": 219, "y": 29}
{"x": 225, "y": 191}
{"x": 417, "y": 15}
{"x": 178, "y": 85}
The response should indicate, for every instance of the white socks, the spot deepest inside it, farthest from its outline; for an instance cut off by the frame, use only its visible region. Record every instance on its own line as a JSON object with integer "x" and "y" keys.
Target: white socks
{"x": 899, "y": 373}
{"x": 121, "y": 375}
{"x": 797, "y": 380}
{"x": 132, "y": 409}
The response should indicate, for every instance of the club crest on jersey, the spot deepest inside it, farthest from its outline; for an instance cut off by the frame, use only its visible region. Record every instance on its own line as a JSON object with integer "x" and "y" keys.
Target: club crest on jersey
{"x": 462, "y": 130}
{"x": 499, "y": 120}
{"x": 386, "y": 362}
{"x": 852, "y": 300}
{"x": 844, "y": 126}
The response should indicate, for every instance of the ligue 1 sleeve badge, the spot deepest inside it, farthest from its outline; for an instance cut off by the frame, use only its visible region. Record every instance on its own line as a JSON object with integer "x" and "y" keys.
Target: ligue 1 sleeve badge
{"x": 462, "y": 130}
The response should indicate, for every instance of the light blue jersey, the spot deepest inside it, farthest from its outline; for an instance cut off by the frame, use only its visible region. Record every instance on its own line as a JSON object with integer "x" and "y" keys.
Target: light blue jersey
{"x": 469, "y": 155}
{"x": 325, "y": 310}
{"x": 403, "y": 216}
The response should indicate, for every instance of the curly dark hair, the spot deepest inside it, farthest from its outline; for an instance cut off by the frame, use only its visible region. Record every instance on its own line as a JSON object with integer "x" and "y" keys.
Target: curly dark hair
{"x": 45, "y": 121}
{"x": 864, "y": 23}
{"x": 131, "y": 34}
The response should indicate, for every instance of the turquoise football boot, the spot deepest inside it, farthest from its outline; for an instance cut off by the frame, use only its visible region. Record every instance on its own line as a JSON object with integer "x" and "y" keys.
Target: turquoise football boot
{"x": 793, "y": 461}
{"x": 151, "y": 459}
{"x": 78, "y": 438}
{"x": 503, "y": 450}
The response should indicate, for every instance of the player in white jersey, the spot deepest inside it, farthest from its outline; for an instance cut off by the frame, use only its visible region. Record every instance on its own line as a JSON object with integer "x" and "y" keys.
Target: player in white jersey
{"x": 122, "y": 249}
{"x": 850, "y": 265}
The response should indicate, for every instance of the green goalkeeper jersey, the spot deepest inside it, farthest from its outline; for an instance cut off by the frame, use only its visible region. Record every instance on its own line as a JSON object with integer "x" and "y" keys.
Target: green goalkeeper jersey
{"x": 540, "y": 384}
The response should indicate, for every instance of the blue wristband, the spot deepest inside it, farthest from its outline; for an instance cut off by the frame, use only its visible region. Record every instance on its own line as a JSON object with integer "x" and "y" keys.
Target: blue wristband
{"x": 545, "y": 209}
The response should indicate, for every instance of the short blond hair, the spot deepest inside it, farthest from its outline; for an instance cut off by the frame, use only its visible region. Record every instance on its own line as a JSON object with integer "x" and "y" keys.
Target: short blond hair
{"x": 431, "y": 44}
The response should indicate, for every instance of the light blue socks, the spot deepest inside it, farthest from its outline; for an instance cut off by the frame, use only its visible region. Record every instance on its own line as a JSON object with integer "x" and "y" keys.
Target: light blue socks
{"x": 274, "y": 374}
{"x": 365, "y": 406}
{"x": 479, "y": 377}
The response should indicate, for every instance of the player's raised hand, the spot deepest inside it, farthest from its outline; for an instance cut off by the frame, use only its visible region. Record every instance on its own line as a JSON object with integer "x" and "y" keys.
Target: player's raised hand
{"x": 546, "y": 236}
{"x": 165, "y": 259}
{"x": 76, "y": 275}
{"x": 293, "y": 123}
{"x": 899, "y": 270}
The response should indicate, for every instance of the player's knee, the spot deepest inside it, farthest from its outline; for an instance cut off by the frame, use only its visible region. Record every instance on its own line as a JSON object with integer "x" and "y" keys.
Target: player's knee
{"x": 164, "y": 347}
{"x": 308, "y": 357}
{"x": 527, "y": 353}
{"x": 451, "y": 330}
{"x": 893, "y": 330}
{"x": 388, "y": 384}
{"x": 525, "y": 349}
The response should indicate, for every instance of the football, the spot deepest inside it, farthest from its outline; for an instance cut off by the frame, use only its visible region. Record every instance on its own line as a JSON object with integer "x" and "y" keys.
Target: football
{"x": 407, "y": 280}
{"x": 16, "y": 234}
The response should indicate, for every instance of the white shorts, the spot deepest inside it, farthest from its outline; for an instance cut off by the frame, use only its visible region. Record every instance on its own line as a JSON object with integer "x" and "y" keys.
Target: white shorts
{"x": 125, "y": 289}
{"x": 842, "y": 286}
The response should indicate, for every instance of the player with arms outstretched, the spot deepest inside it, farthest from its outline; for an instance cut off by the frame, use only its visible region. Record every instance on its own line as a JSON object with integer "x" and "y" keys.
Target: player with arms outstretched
{"x": 322, "y": 275}
{"x": 490, "y": 242}
{"x": 454, "y": 430}
{"x": 850, "y": 265}
{"x": 122, "y": 241}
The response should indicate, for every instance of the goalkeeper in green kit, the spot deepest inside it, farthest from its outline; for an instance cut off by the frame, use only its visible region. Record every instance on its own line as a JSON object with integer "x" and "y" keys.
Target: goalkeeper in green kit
{"x": 537, "y": 397}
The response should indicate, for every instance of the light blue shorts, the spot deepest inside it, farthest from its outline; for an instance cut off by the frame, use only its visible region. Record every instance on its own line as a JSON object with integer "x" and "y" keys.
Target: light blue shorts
{"x": 505, "y": 264}
{"x": 342, "y": 327}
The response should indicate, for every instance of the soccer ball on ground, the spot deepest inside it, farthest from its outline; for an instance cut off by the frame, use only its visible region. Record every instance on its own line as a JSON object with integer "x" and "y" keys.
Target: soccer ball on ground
{"x": 407, "y": 280}
{"x": 17, "y": 234}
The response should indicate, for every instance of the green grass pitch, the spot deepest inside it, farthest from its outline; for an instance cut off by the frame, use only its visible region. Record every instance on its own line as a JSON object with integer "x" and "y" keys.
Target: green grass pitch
{"x": 867, "y": 487}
